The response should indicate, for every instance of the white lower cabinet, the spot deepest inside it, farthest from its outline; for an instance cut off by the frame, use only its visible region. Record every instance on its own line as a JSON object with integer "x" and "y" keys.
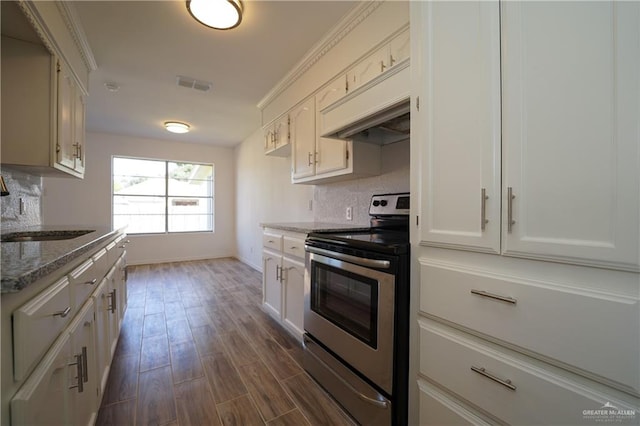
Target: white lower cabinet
{"x": 283, "y": 278}
{"x": 513, "y": 388}
{"x": 62, "y": 389}
{"x": 63, "y": 339}
{"x": 293, "y": 309}
{"x": 436, "y": 408}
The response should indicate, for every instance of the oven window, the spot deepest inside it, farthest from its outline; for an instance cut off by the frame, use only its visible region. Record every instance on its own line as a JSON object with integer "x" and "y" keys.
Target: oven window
{"x": 348, "y": 300}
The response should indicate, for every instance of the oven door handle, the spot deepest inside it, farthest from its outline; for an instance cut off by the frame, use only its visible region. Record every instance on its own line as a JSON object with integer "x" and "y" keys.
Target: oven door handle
{"x": 381, "y": 404}
{"x": 371, "y": 263}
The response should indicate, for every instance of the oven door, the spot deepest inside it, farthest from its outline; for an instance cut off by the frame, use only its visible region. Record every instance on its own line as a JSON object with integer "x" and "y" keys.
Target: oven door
{"x": 349, "y": 308}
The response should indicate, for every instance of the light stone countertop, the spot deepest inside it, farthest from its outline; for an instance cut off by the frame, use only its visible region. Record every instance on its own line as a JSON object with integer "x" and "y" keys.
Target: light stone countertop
{"x": 25, "y": 262}
{"x": 309, "y": 227}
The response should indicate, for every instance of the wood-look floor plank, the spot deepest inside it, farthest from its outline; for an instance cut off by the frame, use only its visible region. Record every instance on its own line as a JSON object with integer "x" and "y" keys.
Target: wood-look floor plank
{"x": 292, "y": 418}
{"x": 154, "y": 306}
{"x": 130, "y": 339}
{"x": 154, "y": 324}
{"x": 121, "y": 413}
{"x": 239, "y": 412}
{"x": 270, "y": 398}
{"x": 185, "y": 362}
{"x": 207, "y": 340}
{"x": 178, "y": 331}
{"x": 238, "y": 348}
{"x": 156, "y": 404}
{"x": 222, "y": 321}
{"x": 123, "y": 380}
{"x": 198, "y": 316}
{"x": 278, "y": 359}
{"x": 223, "y": 377}
{"x": 314, "y": 403}
{"x": 154, "y": 353}
{"x": 195, "y": 404}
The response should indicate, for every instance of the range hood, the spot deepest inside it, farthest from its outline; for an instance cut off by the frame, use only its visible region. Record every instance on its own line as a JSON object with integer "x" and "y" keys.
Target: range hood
{"x": 377, "y": 112}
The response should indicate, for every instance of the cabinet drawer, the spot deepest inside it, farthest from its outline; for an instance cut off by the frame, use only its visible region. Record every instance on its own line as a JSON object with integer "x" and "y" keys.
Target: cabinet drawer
{"x": 438, "y": 409}
{"x": 84, "y": 280}
{"x": 272, "y": 241}
{"x": 593, "y": 331}
{"x": 117, "y": 248}
{"x": 294, "y": 247}
{"x": 503, "y": 384}
{"x": 37, "y": 323}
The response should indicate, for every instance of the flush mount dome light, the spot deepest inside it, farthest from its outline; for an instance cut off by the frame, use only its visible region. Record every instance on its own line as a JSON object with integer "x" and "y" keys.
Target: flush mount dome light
{"x": 218, "y": 14}
{"x": 176, "y": 127}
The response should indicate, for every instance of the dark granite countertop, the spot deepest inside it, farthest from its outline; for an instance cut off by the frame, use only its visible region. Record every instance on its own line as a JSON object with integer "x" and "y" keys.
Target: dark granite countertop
{"x": 309, "y": 227}
{"x": 25, "y": 262}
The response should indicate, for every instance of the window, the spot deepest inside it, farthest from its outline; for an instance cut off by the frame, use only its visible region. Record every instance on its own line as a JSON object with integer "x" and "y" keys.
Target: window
{"x": 157, "y": 196}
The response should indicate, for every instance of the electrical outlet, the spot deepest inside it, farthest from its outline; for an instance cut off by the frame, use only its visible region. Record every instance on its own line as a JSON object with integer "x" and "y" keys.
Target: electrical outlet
{"x": 349, "y": 213}
{"x": 22, "y": 206}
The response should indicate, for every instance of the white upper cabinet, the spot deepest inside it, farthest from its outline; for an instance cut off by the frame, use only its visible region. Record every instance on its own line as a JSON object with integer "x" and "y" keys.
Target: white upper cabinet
{"x": 528, "y": 120}
{"x": 459, "y": 116}
{"x": 277, "y": 137}
{"x": 303, "y": 132}
{"x": 571, "y": 105}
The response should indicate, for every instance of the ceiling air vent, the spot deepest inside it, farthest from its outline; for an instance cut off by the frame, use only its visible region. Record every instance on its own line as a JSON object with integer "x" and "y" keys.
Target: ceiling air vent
{"x": 192, "y": 83}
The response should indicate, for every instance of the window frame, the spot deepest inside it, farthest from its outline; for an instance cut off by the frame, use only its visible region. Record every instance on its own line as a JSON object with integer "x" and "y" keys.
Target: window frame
{"x": 166, "y": 195}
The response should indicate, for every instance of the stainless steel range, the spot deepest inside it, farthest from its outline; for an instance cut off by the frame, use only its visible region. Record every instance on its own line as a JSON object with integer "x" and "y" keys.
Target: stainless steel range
{"x": 356, "y": 316}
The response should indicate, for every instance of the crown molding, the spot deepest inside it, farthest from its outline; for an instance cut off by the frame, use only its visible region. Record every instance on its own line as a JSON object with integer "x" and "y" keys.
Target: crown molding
{"x": 71, "y": 20}
{"x": 358, "y": 14}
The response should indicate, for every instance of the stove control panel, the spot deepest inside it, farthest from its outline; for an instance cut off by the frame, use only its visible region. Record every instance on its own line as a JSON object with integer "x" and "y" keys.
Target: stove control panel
{"x": 390, "y": 204}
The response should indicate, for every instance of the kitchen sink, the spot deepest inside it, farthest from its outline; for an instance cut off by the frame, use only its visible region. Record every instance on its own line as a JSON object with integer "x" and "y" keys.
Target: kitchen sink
{"x": 18, "y": 237}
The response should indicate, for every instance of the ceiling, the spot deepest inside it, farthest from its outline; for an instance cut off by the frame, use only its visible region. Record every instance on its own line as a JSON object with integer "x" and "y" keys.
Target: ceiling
{"x": 143, "y": 46}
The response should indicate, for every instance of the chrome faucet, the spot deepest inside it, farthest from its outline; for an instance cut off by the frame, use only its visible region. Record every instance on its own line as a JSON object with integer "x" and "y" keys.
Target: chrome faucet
{"x": 3, "y": 187}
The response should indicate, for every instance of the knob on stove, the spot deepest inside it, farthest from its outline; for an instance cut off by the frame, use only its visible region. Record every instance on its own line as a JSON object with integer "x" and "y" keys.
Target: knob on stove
{"x": 376, "y": 203}
{"x": 383, "y": 203}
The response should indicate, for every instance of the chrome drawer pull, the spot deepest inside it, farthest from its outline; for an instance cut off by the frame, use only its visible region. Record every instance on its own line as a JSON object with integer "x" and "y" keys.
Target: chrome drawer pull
{"x": 79, "y": 363}
{"x": 62, "y": 314}
{"x": 483, "y": 209}
{"x": 482, "y": 371}
{"x": 92, "y": 282}
{"x": 494, "y": 296}
{"x": 510, "y": 221}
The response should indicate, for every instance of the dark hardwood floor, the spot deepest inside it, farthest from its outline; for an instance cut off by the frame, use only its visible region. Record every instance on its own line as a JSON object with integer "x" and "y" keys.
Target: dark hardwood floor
{"x": 197, "y": 349}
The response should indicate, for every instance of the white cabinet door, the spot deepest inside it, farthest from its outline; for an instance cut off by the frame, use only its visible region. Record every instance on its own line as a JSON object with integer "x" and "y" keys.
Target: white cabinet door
{"x": 571, "y": 102}
{"x": 293, "y": 309}
{"x": 84, "y": 404}
{"x": 368, "y": 69}
{"x": 65, "y": 151}
{"x": 79, "y": 107}
{"x": 272, "y": 286}
{"x": 399, "y": 48}
{"x": 44, "y": 397}
{"x": 103, "y": 332}
{"x": 331, "y": 153}
{"x": 458, "y": 82}
{"x": 303, "y": 135}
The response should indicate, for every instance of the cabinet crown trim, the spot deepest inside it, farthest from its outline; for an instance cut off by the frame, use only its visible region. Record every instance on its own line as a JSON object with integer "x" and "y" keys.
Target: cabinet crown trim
{"x": 340, "y": 31}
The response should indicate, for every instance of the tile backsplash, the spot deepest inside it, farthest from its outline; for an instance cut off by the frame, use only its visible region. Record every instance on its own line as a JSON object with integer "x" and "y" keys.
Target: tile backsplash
{"x": 27, "y": 187}
{"x": 331, "y": 200}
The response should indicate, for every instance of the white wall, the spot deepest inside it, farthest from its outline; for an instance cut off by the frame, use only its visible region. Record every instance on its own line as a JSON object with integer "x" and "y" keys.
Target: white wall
{"x": 264, "y": 194}
{"x": 68, "y": 201}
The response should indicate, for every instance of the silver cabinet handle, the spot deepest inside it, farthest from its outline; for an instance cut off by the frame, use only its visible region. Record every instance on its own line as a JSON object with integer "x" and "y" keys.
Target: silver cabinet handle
{"x": 278, "y": 273}
{"x": 85, "y": 369}
{"x": 510, "y": 197}
{"x": 494, "y": 296}
{"x": 112, "y": 307}
{"x": 270, "y": 241}
{"x": 124, "y": 244}
{"x": 483, "y": 208}
{"x": 506, "y": 383}
{"x": 92, "y": 282}
{"x": 309, "y": 159}
{"x": 393, "y": 60}
{"x": 62, "y": 314}
{"x": 79, "y": 372}
{"x": 382, "y": 66}
{"x": 315, "y": 157}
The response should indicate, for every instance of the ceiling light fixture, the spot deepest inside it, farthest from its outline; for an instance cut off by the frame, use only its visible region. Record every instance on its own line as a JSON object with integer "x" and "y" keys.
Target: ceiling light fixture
{"x": 217, "y": 14}
{"x": 176, "y": 127}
